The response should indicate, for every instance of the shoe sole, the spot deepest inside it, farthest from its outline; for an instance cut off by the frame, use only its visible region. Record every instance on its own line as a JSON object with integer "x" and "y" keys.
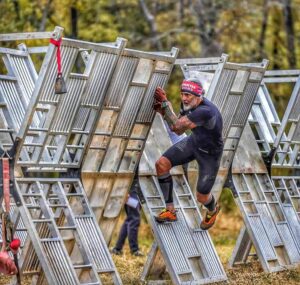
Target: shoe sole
{"x": 161, "y": 221}
{"x": 204, "y": 226}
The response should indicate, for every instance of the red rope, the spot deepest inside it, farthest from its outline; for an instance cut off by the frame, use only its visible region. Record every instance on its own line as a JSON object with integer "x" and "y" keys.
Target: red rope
{"x": 58, "y": 56}
{"x": 7, "y": 265}
{"x": 6, "y": 178}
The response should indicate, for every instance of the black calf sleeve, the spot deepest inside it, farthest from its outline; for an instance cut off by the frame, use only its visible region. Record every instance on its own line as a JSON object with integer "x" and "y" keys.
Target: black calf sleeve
{"x": 211, "y": 205}
{"x": 166, "y": 185}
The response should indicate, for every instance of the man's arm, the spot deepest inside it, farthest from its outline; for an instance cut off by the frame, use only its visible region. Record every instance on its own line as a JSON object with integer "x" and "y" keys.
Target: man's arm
{"x": 177, "y": 125}
{"x": 182, "y": 125}
{"x": 164, "y": 107}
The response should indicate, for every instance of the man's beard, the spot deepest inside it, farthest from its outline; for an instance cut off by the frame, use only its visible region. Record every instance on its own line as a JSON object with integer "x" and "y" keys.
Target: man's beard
{"x": 187, "y": 107}
{"x": 193, "y": 104}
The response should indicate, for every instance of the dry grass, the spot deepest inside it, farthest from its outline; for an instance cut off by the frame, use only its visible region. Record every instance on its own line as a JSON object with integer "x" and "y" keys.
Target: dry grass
{"x": 224, "y": 235}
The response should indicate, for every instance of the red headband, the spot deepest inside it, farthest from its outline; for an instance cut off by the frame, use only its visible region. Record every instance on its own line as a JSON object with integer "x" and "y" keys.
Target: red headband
{"x": 192, "y": 87}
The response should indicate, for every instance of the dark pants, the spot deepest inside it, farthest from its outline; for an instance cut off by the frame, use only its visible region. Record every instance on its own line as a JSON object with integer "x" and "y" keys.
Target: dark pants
{"x": 130, "y": 229}
{"x": 187, "y": 150}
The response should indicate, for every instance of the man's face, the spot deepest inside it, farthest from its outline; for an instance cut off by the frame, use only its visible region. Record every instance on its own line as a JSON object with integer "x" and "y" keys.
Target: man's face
{"x": 190, "y": 101}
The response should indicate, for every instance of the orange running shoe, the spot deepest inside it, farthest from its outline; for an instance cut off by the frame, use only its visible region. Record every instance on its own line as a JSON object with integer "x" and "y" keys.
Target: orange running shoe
{"x": 210, "y": 219}
{"x": 166, "y": 216}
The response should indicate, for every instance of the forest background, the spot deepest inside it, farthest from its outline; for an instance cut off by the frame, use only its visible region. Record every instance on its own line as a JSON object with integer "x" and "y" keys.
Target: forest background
{"x": 247, "y": 31}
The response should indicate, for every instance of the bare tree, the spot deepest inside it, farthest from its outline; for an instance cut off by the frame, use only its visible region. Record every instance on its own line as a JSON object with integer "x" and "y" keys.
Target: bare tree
{"x": 181, "y": 11}
{"x": 46, "y": 12}
{"x": 206, "y": 14}
{"x": 155, "y": 41}
{"x": 276, "y": 26}
{"x": 289, "y": 28}
{"x": 263, "y": 30}
{"x": 17, "y": 8}
{"x": 74, "y": 19}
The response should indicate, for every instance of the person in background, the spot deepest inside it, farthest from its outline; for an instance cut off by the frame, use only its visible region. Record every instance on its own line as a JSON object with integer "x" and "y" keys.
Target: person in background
{"x": 130, "y": 227}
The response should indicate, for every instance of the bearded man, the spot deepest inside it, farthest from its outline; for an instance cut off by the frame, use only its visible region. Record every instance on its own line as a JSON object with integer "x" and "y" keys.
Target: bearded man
{"x": 205, "y": 145}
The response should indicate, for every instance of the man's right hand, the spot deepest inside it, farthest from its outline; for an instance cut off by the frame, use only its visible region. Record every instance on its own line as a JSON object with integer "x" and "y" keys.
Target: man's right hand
{"x": 160, "y": 95}
{"x": 157, "y": 107}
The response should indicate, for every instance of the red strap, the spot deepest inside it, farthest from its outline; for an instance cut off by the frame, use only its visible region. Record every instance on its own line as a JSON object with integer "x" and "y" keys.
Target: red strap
{"x": 3, "y": 233}
{"x": 5, "y": 169}
{"x": 7, "y": 265}
{"x": 58, "y": 56}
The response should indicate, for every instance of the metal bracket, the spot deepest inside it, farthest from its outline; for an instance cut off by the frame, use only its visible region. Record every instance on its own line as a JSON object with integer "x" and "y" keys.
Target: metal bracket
{"x": 297, "y": 170}
{"x": 268, "y": 158}
{"x": 229, "y": 183}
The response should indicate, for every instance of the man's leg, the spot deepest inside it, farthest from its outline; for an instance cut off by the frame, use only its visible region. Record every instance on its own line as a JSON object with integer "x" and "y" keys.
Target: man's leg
{"x": 133, "y": 229}
{"x": 178, "y": 154}
{"x": 207, "y": 200}
{"x": 208, "y": 169}
{"x": 122, "y": 235}
{"x": 163, "y": 167}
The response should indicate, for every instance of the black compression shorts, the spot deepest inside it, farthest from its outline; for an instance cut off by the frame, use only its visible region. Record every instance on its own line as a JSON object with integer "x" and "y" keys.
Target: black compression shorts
{"x": 185, "y": 151}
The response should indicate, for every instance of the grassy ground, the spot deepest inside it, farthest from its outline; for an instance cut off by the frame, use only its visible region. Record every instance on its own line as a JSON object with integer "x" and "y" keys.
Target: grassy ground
{"x": 224, "y": 235}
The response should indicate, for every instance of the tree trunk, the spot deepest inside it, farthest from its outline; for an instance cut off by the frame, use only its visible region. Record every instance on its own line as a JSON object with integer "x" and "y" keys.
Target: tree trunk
{"x": 262, "y": 37}
{"x": 181, "y": 11}
{"x": 206, "y": 22}
{"x": 289, "y": 28}
{"x": 45, "y": 16}
{"x": 155, "y": 42}
{"x": 17, "y": 8}
{"x": 276, "y": 37}
{"x": 74, "y": 18}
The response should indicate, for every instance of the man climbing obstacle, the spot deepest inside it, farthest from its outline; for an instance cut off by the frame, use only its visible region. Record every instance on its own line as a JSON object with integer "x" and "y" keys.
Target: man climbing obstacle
{"x": 205, "y": 144}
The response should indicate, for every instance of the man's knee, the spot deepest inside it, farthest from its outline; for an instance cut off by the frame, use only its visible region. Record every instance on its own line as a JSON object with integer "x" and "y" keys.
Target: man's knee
{"x": 163, "y": 166}
{"x": 203, "y": 198}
